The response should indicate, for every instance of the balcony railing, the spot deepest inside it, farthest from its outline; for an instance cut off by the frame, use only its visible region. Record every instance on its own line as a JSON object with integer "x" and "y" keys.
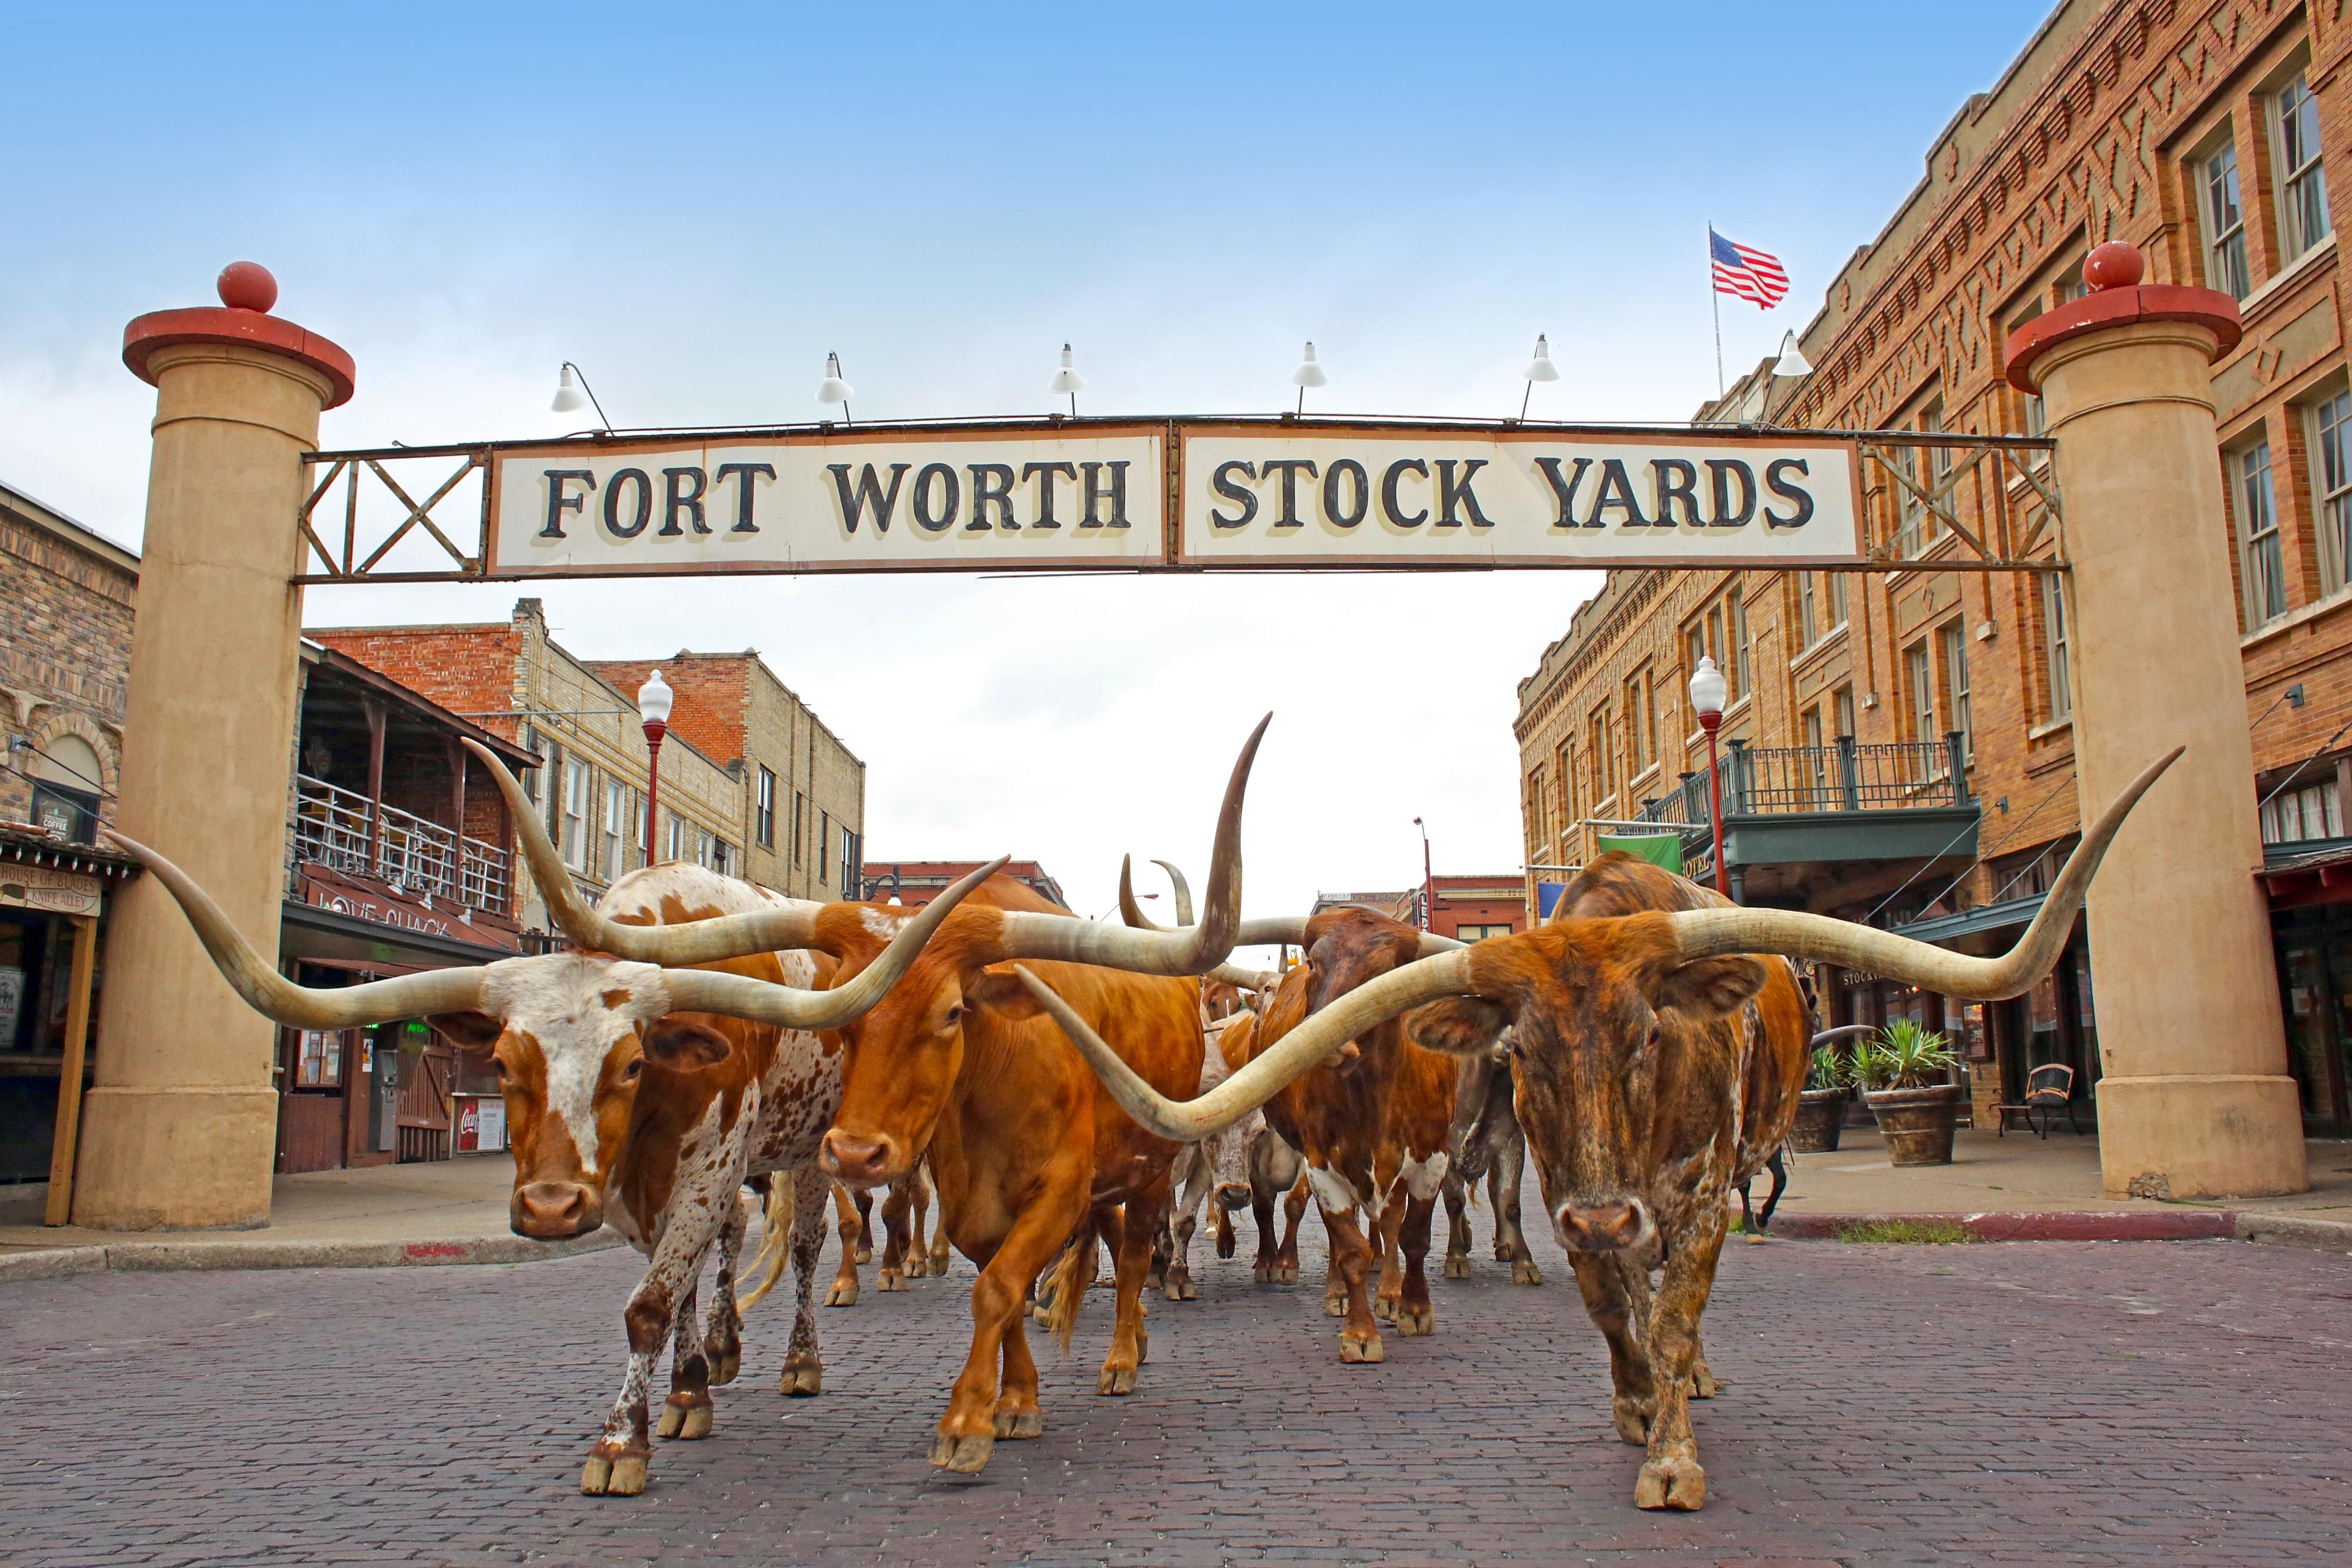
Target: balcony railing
{"x": 1763, "y": 780}
{"x": 330, "y": 829}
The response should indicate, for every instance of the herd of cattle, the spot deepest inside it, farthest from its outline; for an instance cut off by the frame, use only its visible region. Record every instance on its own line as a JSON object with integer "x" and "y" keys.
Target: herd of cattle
{"x": 1062, "y": 1080}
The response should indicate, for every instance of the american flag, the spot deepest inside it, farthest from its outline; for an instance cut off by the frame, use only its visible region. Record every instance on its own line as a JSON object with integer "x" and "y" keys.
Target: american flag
{"x": 1751, "y": 274}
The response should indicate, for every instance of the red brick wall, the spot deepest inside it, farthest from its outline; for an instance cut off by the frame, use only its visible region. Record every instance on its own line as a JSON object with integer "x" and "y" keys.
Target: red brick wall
{"x": 469, "y": 670}
{"x": 713, "y": 694}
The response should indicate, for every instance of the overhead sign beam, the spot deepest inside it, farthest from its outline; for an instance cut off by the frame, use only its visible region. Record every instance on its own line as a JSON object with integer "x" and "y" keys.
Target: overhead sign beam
{"x": 1109, "y": 494}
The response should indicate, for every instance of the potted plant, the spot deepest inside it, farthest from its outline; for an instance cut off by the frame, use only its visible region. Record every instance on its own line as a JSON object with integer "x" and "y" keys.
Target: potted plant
{"x": 1903, "y": 1077}
{"x": 1821, "y": 1106}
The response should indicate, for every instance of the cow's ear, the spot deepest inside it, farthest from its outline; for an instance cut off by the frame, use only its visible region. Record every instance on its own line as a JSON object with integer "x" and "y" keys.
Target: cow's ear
{"x": 1458, "y": 1026}
{"x": 476, "y": 1032}
{"x": 1707, "y": 988}
{"x": 1001, "y": 992}
{"x": 683, "y": 1045}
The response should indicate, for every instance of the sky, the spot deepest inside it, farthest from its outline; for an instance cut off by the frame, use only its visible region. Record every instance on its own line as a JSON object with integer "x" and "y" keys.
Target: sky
{"x": 695, "y": 204}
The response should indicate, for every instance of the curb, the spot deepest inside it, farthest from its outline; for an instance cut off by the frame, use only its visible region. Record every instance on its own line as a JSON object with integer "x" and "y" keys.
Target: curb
{"x": 2293, "y": 1230}
{"x": 2194, "y": 1225}
{"x": 156, "y": 1257}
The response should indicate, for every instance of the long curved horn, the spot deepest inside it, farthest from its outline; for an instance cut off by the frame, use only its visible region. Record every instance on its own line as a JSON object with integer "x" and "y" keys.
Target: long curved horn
{"x": 1290, "y": 930}
{"x": 1192, "y": 951}
{"x": 1796, "y": 935}
{"x": 1398, "y": 991}
{"x": 1183, "y": 893}
{"x": 791, "y": 923}
{"x": 1842, "y": 1031}
{"x": 273, "y": 995}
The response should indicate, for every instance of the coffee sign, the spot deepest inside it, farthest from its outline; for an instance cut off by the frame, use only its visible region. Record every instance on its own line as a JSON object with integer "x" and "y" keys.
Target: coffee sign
{"x": 1170, "y": 495}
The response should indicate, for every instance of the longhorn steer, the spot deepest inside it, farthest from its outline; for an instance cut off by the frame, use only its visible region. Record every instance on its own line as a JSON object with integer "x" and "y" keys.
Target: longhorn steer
{"x": 638, "y": 1095}
{"x": 1487, "y": 1144}
{"x": 1656, "y": 1059}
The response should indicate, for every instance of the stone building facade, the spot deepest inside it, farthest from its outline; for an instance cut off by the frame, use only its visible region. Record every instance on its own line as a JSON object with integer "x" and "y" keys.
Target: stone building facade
{"x": 734, "y": 728}
{"x": 65, "y": 657}
{"x": 2216, "y": 137}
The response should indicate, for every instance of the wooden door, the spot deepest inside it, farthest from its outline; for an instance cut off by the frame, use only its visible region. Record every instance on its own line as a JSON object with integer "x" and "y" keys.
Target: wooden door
{"x": 425, "y": 1104}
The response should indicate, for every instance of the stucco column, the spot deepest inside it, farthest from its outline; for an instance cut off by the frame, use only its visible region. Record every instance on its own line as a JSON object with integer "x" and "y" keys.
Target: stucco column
{"x": 2194, "y": 1098}
{"x": 181, "y": 1126}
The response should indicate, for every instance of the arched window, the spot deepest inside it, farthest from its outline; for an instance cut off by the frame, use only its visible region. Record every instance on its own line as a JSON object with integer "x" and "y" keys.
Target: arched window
{"x": 65, "y": 788}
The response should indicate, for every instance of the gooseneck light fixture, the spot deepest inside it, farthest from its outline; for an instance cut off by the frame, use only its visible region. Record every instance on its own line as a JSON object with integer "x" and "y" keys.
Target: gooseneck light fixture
{"x": 1540, "y": 369}
{"x": 1707, "y": 690}
{"x": 1308, "y": 375}
{"x": 1793, "y": 361}
{"x": 654, "y": 700}
{"x": 834, "y": 389}
{"x": 1066, "y": 380}
{"x": 573, "y": 392}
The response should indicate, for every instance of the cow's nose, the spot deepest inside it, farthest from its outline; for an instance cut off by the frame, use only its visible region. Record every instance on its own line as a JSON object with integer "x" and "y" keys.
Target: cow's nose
{"x": 859, "y": 1160}
{"x": 554, "y": 1210}
{"x": 1602, "y": 1227}
{"x": 1233, "y": 1195}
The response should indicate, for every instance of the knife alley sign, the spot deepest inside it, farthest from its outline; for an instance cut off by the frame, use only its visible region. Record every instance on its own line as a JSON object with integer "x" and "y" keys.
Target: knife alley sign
{"x": 1171, "y": 496}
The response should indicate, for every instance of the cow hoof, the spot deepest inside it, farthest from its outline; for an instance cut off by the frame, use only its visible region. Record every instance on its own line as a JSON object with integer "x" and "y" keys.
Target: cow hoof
{"x": 685, "y": 1416}
{"x": 1633, "y": 1421}
{"x": 1385, "y": 1308}
{"x": 1677, "y": 1484}
{"x": 892, "y": 1280}
{"x": 1142, "y": 1347}
{"x": 1362, "y": 1351}
{"x": 801, "y": 1379}
{"x": 1703, "y": 1384}
{"x": 1456, "y": 1266}
{"x": 1335, "y": 1306}
{"x": 1414, "y": 1321}
{"x": 966, "y": 1455}
{"x": 1225, "y": 1247}
{"x": 1262, "y": 1272}
{"x": 1155, "y": 1280}
{"x": 940, "y": 1261}
{"x": 1286, "y": 1273}
{"x": 1179, "y": 1289}
{"x": 622, "y": 1476}
{"x": 864, "y": 1253}
{"x": 843, "y": 1294}
{"x": 1116, "y": 1380}
{"x": 726, "y": 1363}
{"x": 1019, "y": 1425}
{"x": 1524, "y": 1272}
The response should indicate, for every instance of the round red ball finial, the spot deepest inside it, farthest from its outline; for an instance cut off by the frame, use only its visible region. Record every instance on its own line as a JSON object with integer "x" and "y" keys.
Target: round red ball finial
{"x": 2115, "y": 265}
{"x": 247, "y": 285}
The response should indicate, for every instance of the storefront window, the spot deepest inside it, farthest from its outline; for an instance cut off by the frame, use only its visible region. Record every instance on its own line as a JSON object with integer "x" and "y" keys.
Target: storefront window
{"x": 320, "y": 1063}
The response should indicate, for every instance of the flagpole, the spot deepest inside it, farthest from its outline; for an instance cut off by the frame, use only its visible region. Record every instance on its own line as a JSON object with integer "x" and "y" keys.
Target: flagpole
{"x": 1714, "y": 300}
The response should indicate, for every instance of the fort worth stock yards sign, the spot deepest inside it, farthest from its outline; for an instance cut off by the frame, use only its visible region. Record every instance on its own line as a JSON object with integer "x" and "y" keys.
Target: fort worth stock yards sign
{"x": 1170, "y": 496}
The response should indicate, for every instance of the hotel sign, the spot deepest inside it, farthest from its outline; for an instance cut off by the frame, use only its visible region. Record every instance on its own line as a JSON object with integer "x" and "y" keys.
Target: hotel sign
{"x": 1170, "y": 495}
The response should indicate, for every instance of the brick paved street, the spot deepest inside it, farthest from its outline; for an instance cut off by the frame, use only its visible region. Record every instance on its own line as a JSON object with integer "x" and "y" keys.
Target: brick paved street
{"x": 2180, "y": 1403}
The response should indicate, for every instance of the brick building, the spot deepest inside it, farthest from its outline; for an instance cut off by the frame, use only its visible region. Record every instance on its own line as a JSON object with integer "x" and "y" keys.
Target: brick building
{"x": 744, "y": 763}
{"x": 1900, "y": 745}
{"x": 916, "y": 883}
{"x": 1469, "y": 908}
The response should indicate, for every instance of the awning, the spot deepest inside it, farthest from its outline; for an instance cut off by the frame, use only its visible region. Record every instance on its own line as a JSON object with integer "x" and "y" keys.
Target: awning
{"x": 1970, "y": 922}
{"x": 2307, "y": 872}
{"x": 307, "y": 932}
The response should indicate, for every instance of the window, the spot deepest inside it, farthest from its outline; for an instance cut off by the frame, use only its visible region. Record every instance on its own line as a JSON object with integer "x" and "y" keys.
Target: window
{"x": 530, "y": 775}
{"x": 799, "y": 824}
{"x": 1844, "y": 709}
{"x": 823, "y": 842}
{"x": 677, "y": 837}
{"x": 1640, "y": 721}
{"x": 763, "y": 819}
{"x": 578, "y": 779}
{"x": 2332, "y": 440}
{"x": 1836, "y": 581}
{"x": 1479, "y": 933}
{"x": 2302, "y": 183}
{"x": 1808, "y": 628}
{"x": 2309, "y": 812}
{"x": 2260, "y": 567}
{"x": 1923, "y": 695}
{"x": 616, "y": 822}
{"x": 848, "y": 862}
{"x": 1956, "y": 684}
{"x": 1595, "y": 753}
{"x": 1940, "y": 461}
{"x": 1723, "y": 660}
{"x": 722, "y": 856}
{"x": 1816, "y": 756}
{"x": 2225, "y": 224}
{"x": 1739, "y": 649}
{"x": 2055, "y": 637}
{"x": 321, "y": 1064}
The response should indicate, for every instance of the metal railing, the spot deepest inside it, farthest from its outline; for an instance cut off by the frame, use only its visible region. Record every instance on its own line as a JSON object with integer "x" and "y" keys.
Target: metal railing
{"x": 1763, "y": 780}
{"x": 331, "y": 827}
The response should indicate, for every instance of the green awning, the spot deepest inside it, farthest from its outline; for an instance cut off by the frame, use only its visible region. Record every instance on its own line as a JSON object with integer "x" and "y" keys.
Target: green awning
{"x": 1658, "y": 849}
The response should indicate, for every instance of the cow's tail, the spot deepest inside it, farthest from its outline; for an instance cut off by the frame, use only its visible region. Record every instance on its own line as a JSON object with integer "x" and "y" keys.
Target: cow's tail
{"x": 775, "y": 1241}
{"x": 1074, "y": 1276}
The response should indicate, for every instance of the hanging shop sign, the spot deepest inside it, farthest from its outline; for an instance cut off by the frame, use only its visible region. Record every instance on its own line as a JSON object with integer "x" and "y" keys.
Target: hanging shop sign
{"x": 50, "y": 891}
{"x": 1170, "y": 495}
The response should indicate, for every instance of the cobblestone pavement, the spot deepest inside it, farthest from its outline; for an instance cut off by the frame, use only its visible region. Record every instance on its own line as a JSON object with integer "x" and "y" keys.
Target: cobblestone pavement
{"x": 2171, "y": 1403}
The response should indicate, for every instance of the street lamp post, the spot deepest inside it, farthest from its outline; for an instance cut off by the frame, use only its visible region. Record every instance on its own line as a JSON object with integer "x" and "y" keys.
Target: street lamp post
{"x": 1428, "y": 885}
{"x": 653, "y": 699}
{"x": 1707, "y": 690}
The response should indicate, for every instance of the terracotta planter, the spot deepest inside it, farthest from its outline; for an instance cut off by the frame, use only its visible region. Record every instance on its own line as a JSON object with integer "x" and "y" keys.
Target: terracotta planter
{"x": 1916, "y": 1123}
{"x": 1821, "y": 1120}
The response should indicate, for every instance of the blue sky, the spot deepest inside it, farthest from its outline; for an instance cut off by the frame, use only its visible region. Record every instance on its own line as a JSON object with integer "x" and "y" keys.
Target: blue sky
{"x": 696, "y": 206}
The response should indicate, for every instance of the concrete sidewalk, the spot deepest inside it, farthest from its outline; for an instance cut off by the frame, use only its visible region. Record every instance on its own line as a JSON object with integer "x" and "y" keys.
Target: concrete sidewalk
{"x": 446, "y": 1211}
{"x": 2052, "y": 1181}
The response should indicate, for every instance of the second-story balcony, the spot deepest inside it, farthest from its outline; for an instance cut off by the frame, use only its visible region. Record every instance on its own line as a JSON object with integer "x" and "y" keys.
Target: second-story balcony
{"x": 1786, "y": 807}
{"x": 343, "y": 830}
